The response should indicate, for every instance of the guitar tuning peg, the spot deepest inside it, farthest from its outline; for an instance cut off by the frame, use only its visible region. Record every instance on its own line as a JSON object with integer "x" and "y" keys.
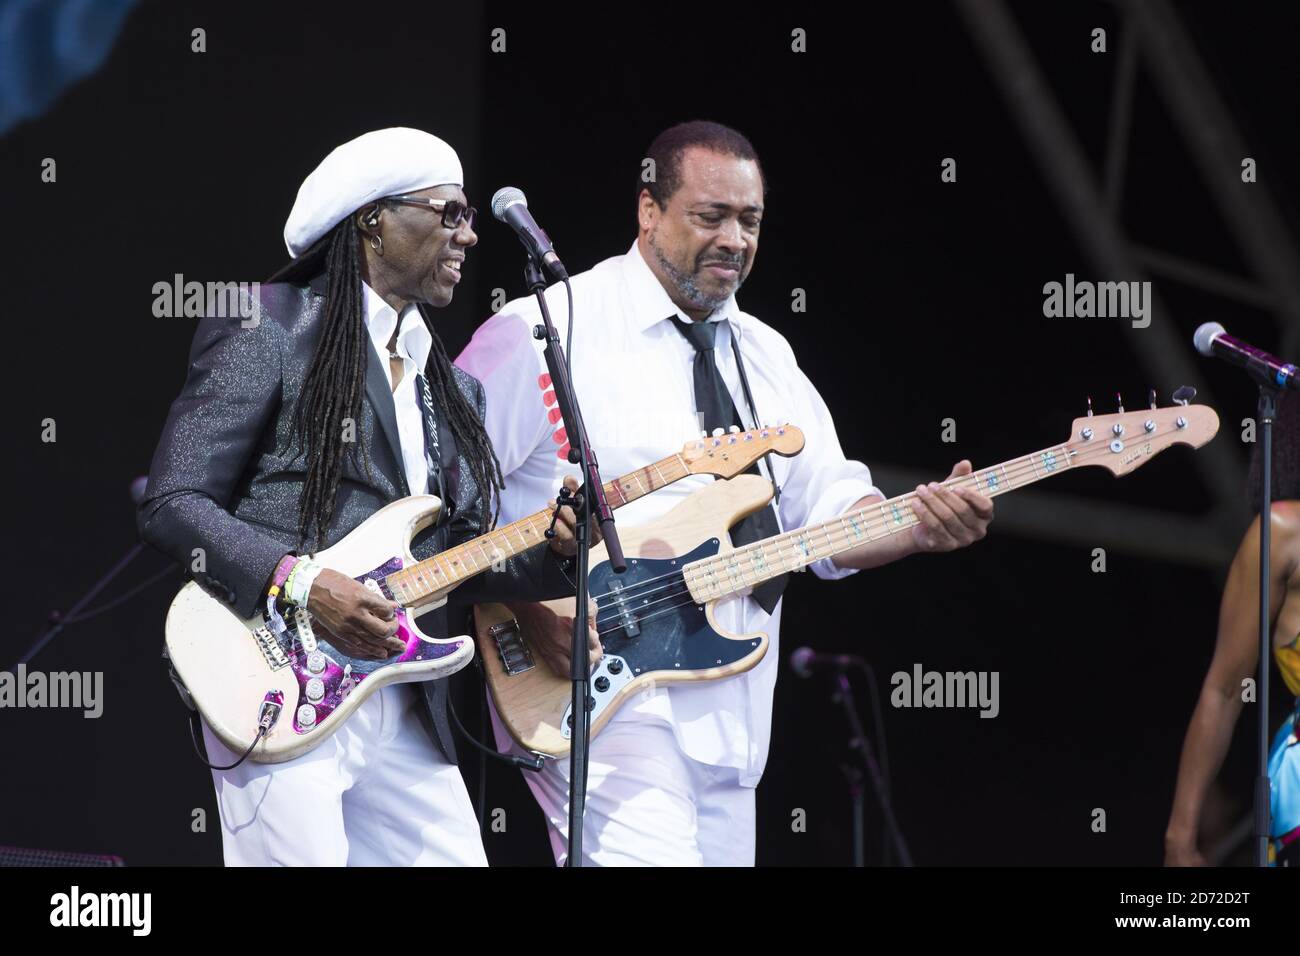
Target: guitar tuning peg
{"x": 734, "y": 429}
{"x": 1151, "y": 395}
{"x": 1090, "y": 406}
{"x": 718, "y": 432}
{"x": 1119, "y": 401}
{"x": 1184, "y": 395}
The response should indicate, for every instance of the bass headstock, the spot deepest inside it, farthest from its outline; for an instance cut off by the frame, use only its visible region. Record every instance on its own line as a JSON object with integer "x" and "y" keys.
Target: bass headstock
{"x": 1125, "y": 441}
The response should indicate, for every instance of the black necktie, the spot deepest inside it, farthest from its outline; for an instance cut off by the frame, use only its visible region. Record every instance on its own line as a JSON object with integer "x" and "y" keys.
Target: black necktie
{"x": 717, "y": 410}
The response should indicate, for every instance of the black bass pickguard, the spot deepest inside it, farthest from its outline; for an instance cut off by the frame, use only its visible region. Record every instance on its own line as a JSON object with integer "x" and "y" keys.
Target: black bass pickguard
{"x": 648, "y": 619}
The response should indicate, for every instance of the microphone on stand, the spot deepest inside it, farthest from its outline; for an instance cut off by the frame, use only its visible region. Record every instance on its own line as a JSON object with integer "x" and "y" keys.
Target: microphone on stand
{"x": 1272, "y": 375}
{"x": 804, "y": 661}
{"x": 1211, "y": 340}
{"x": 510, "y": 206}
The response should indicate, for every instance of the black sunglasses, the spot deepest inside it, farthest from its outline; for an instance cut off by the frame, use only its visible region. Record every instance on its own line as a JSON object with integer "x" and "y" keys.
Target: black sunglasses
{"x": 454, "y": 212}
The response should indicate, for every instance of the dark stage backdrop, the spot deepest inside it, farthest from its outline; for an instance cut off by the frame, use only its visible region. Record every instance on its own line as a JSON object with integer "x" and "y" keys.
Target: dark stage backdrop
{"x": 924, "y": 302}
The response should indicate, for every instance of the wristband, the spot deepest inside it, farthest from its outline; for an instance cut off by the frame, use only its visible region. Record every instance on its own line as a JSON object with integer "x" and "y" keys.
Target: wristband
{"x": 298, "y": 588}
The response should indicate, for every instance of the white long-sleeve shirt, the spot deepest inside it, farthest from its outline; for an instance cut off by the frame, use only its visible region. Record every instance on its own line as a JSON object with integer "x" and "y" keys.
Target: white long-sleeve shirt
{"x": 632, "y": 372}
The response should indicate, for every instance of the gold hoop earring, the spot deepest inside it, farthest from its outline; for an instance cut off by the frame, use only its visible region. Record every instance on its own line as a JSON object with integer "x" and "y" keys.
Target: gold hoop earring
{"x": 377, "y": 243}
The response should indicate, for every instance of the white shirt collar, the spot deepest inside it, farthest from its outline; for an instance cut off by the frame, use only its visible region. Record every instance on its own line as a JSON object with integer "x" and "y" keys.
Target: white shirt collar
{"x": 651, "y": 303}
{"x": 414, "y": 342}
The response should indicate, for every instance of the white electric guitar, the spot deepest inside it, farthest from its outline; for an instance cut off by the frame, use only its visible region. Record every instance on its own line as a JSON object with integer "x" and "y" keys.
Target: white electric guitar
{"x": 241, "y": 674}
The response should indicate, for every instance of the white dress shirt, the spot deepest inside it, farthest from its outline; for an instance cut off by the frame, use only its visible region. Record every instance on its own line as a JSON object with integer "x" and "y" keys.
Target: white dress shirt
{"x": 632, "y": 371}
{"x": 413, "y": 344}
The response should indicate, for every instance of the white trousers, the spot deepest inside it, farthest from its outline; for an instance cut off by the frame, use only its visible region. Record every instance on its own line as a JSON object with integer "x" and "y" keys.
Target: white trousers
{"x": 648, "y": 804}
{"x": 376, "y": 793}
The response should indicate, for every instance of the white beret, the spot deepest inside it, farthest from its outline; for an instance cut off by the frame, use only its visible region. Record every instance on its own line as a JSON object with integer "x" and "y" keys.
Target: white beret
{"x": 383, "y": 163}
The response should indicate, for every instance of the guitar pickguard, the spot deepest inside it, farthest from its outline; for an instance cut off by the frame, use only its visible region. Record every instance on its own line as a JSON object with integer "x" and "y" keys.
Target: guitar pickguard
{"x": 325, "y": 675}
{"x": 651, "y": 621}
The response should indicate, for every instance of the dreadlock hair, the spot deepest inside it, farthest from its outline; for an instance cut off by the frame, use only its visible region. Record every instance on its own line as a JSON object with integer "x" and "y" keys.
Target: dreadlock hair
{"x": 1286, "y": 457}
{"x": 335, "y": 383}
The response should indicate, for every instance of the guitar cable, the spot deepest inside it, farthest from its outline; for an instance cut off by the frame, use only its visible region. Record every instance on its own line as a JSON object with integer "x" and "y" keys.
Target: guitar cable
{"x": 532, "y": 763}
{"x": 201, "y": 752}
{"x": 523, "y": 763}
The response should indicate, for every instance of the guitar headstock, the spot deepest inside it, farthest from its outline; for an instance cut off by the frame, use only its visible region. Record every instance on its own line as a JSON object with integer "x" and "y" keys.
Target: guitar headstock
{"x": 730, "y": 453}
{"x": 1125, "y": 441}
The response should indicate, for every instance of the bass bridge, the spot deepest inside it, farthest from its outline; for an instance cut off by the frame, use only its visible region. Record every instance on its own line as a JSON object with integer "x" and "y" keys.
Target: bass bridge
{"x": 515, "y": 655}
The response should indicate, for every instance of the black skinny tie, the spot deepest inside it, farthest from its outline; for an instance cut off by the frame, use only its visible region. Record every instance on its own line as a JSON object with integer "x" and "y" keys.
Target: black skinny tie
{"x": 713, "y": 402}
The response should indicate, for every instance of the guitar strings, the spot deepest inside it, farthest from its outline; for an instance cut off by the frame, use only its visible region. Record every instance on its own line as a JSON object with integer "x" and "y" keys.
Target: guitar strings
{"x": 637, "y": 589}
{"x": 681, "y": 589}
{"x": 531, "y": 521}
{"x": 834, "y": 532}
{"x": 672, "y": 462}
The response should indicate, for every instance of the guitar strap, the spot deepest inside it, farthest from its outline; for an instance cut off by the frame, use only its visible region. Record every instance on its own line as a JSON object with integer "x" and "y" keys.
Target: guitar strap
{"x": 763, "y": 523}
{"x": 749, "y": 400}
{"x": 432, "y": 447}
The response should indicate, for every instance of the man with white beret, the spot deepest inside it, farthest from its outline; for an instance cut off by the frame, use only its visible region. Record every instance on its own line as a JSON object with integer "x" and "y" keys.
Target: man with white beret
{"x": 293, "y": 429}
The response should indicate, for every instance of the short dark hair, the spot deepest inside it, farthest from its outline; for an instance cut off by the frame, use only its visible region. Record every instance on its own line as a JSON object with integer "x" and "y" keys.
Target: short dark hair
{"x": 1286, "y": 457}
{"x": 667, "y": 148}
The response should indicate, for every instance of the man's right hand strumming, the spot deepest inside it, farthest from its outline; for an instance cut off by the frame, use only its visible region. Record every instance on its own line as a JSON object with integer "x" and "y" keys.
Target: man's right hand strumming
{"x": 360, "y": 622}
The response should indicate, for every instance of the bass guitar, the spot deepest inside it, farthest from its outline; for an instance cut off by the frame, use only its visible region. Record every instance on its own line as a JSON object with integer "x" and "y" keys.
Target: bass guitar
{"x": 656, "y": 620}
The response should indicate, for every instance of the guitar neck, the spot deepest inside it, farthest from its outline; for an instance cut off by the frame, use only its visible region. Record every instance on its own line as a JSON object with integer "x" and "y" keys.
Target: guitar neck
{"x": 436, "y": 575}
{"x": 745, "y": 567}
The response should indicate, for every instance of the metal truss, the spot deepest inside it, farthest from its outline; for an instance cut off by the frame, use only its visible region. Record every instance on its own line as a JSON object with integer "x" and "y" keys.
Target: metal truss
{"x": 1091, "y": 202}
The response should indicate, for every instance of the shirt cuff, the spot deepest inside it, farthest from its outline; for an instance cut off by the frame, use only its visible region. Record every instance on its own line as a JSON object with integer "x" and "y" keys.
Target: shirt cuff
{"x": 835, "y": 501}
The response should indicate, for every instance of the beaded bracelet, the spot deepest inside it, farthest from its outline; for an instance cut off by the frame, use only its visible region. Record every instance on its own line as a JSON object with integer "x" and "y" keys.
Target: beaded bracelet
{"x": 282, "y": 572}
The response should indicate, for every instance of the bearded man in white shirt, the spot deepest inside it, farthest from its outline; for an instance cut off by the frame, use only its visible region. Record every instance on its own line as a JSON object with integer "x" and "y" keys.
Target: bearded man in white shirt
{"x": 672, "y": 776}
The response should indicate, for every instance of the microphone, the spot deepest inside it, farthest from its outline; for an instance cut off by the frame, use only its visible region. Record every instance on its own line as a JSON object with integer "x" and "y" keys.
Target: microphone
{"x": 804, "y": 660}
{"x": 1211, "y": 339}
{"x": 511, "y": 207}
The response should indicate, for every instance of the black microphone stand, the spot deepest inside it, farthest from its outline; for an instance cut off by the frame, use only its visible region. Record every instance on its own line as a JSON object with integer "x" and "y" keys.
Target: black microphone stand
{"x": 56, "y": 621}
{"x": 860, "y": 743}
{"x": 589, "y": 500}
{"x": 858, "y": 794}
{"x": 1267, "y": 412}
